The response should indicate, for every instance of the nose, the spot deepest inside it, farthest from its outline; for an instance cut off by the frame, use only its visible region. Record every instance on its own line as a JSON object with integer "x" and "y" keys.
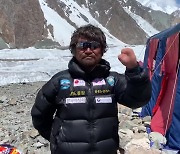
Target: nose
{"x": 88, "y": 51}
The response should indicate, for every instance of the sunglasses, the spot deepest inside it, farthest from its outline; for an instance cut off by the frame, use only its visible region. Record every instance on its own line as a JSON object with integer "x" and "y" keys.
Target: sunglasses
{"x": 85, "y": 45}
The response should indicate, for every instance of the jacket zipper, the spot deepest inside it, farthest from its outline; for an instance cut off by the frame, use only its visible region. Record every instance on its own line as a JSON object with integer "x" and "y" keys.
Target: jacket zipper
{"x": 90, "y": 101}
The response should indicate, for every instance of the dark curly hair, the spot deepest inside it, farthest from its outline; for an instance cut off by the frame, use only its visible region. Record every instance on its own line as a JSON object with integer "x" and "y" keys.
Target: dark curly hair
{"x": 89, "y": 32}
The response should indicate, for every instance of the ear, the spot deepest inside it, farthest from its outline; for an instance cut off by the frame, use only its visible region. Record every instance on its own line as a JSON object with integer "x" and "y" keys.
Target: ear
{"x": 73, "y": 51}
{"x": 103, "y": 51}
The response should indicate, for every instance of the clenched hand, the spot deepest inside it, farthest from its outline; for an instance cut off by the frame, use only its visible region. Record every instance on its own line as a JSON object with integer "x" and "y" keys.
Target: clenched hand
{"x": 128, "y": 58}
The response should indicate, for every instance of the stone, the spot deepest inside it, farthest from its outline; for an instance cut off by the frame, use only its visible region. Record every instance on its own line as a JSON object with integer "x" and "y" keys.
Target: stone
{"x": 33, "y": 133}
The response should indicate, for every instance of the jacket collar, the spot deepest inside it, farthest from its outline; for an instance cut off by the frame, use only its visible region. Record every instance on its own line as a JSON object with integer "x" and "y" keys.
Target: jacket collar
{"x": 101, "y": 70}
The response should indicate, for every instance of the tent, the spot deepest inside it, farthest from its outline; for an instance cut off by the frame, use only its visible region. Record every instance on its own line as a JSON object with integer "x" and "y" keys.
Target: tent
{"x": 162, "y": 60}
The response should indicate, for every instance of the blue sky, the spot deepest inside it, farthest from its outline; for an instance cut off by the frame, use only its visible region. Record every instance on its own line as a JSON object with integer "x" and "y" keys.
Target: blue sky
{"x": 178, "y": 2}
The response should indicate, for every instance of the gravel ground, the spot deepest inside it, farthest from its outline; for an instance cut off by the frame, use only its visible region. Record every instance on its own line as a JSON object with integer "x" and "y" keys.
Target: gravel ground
{"x": 16, "y": 101}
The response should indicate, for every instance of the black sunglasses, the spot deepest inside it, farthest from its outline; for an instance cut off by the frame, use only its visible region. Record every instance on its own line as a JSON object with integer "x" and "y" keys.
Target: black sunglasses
{"x": 85, "y": 45}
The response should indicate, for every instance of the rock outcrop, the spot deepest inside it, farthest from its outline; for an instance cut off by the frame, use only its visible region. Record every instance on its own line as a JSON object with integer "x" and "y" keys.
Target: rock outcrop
{"x": 21, "y": 22}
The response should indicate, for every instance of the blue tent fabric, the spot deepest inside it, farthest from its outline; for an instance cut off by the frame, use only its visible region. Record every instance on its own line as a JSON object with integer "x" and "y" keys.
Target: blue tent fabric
{"x": 157, "y": 78}
{"x": 167, "y": 33}
{"x": 173, "y": 133}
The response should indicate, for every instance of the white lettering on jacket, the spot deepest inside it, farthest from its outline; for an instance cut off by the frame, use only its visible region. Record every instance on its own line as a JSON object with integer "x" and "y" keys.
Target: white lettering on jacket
{"x": 98, "y": 82}
{"x": 103, "y": 100}
{"x": 76, "y": 100}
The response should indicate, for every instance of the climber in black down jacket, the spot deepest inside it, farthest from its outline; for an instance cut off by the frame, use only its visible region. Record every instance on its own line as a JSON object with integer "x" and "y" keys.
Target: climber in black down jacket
{"x": 76, "y": 110}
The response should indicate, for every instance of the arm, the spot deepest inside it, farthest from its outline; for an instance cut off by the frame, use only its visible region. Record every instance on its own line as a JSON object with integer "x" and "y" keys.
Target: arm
{"x": 43, "y": 110}
{"x": 134, "y": 89}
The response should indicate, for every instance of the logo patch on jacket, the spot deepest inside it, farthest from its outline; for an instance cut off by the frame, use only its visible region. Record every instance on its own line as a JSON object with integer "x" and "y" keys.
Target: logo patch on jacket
{"x": 98, "y": 82}
{"x": 110, "y": 80}
{"x": 78, "y": 82}
{"x": 103, "y": 100}
{"x": 102, "y": 91}
{"x": 78, "y": 93}
{"x": 65, "y": 83}
{"x": 75, "y": 100}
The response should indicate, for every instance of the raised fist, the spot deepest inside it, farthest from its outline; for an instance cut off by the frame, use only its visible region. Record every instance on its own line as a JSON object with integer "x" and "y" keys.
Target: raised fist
{"x": 128, "y": 58}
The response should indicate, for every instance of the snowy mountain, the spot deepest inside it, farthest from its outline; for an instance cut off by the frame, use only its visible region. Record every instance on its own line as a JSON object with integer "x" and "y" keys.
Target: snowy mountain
{"x": 43, "y": 23}
{"x": 161, "y": 5}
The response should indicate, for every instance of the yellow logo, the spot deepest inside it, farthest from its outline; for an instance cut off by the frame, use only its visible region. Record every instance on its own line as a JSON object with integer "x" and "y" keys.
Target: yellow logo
{"x": 77, "y": 93}
{"x": 100, "y": 91}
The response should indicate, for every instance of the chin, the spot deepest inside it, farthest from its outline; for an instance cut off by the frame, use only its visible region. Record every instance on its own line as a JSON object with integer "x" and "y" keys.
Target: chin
{"x": 89, "y": 62}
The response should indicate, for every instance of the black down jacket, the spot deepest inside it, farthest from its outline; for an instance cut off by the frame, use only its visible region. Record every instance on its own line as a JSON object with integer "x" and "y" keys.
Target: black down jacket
{"x": 77, "y": 112}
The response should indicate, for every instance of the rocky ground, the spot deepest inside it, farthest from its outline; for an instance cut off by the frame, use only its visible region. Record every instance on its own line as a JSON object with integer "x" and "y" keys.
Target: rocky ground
{"x": 16, "y": 128}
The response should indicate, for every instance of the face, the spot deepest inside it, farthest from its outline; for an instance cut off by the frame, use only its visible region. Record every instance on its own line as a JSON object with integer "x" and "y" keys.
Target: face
{"x": 88, "y": 53}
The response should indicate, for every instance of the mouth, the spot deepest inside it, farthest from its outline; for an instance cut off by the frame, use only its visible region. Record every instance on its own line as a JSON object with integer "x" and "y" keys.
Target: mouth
{"x": 89, "y": 57}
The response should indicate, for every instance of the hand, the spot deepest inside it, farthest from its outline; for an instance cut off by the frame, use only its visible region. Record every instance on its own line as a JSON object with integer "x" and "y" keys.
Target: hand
{"x": 128, "y": 58}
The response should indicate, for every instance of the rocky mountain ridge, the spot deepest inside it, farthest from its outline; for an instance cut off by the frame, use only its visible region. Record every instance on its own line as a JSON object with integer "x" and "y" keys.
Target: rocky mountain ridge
{"x": 23, "y": 24}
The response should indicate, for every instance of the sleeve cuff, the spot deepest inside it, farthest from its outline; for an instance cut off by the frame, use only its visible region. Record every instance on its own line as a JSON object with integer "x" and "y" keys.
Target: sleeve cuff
{"x": 135, "y": 70}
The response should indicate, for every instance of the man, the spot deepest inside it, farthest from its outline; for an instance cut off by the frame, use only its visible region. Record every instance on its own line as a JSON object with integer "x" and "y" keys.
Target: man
{"x": 77, "y": 109}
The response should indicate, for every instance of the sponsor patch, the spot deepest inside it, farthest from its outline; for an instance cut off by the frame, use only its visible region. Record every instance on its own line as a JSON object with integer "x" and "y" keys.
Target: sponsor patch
{"x": 103, "y": 100}
{"x": 76, "y": 100}
{"x": 78, "y": 82}
{"x": 98, "y": 82}
{"x": 101, "y": 91}
{"x": 64, "y": 84}
{"x": 110, "y": 80}
{"x": 77, "y": 93}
